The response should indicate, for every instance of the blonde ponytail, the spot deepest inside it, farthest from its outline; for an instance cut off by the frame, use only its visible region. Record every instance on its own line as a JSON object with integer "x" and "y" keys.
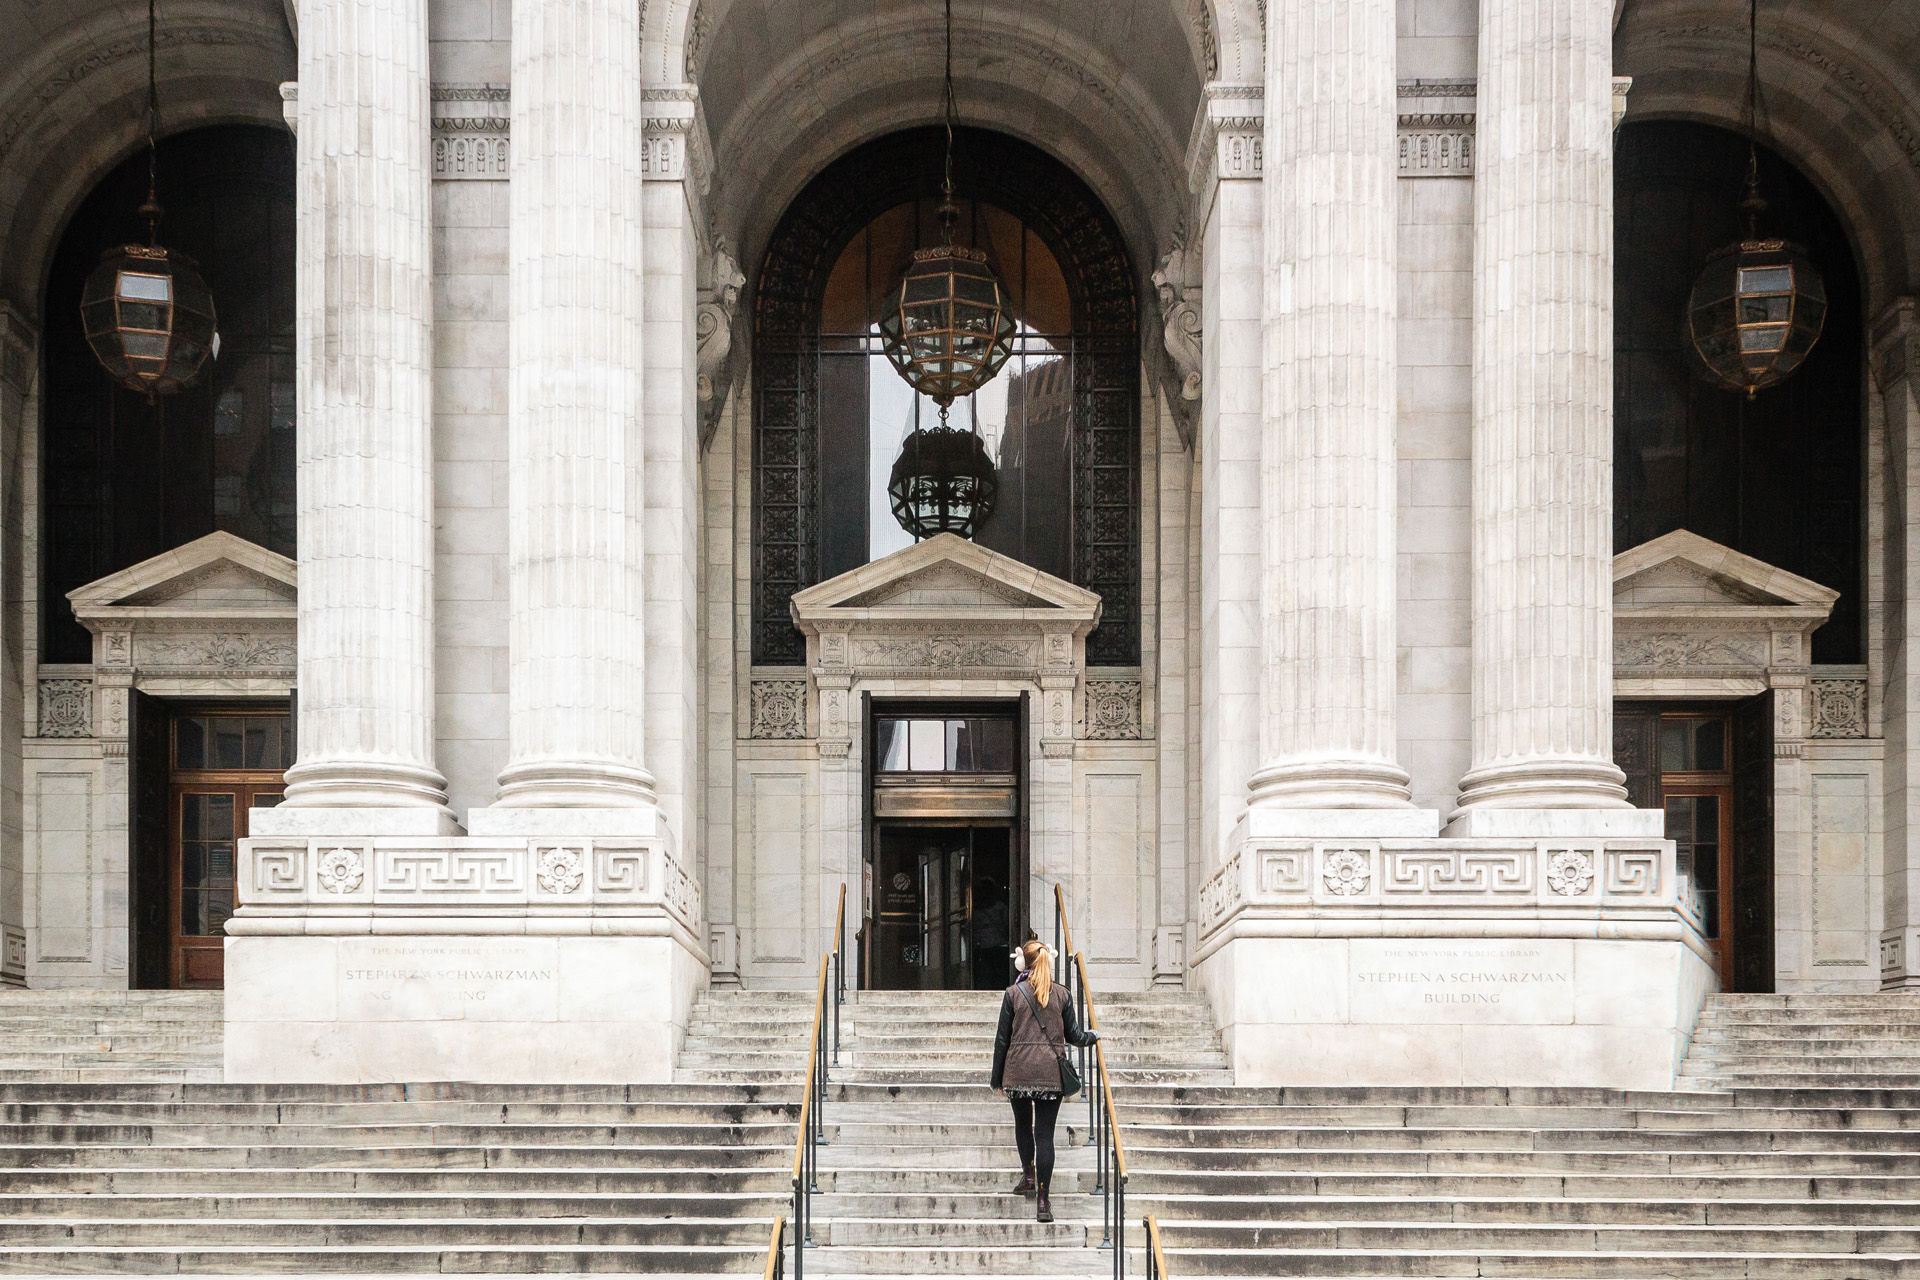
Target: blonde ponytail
{"x": 1039, "y": 971}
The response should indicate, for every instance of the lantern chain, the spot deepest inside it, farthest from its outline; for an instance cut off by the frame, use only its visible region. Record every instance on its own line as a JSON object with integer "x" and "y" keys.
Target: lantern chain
{"x": 151, "y": 210}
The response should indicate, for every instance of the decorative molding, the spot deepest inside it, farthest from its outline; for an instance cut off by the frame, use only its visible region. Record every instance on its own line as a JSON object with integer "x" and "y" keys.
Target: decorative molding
{"x": 713, "y": 336}
{"x": 676, "y": 146}
{"x": 945, "y": 653}
{"x": 66, "y": 708}
{"x": 231, "y": 651}
{"x": 1228, "y": 137}
{"x": 1839, "y": 708}
{"x": 471, "y": 123}
{"x": 1113, "y": 710}
{"x": 480, "y": 885}
{"x": 1436, "y": 145}
{"x": 778, "y": 709}
{"x": 1670, "y": 649}
{"x": 1611, "y": 882}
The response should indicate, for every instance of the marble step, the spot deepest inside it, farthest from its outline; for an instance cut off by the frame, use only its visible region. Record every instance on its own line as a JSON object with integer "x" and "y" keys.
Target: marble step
{"x": 214, "y": 1155}
{"x": 387, "y": 1259}
{"x": 772, "y": 1180}
{"x": 1426, "y": 1208}
{"x": 1568, "y": 1265}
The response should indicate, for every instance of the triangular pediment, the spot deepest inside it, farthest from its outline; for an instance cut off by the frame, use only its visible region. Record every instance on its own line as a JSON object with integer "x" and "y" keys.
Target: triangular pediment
{"x": 946, "y": 576}
{"x": 1684, "y": 571}
{"x": 219, "y": 574}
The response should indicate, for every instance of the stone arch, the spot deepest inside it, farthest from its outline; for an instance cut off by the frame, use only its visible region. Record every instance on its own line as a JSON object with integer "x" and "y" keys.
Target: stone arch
{"x": 782, "y": 104}
{"x": 1833, "y": 104}
{"x": 77, "y": 109}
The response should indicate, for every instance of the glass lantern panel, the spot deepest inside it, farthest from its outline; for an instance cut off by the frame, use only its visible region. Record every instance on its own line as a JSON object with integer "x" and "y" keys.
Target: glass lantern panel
{"x": 1766, "y": 279}
{"x": 145, "y": 287}
{"x": 1764, "y": 337}
{"x": 145, "y": 346}
{"x": 145, "y": 315}
{"x": 1767, "y": 308}
{"x": 1717, "y": 318}
{"x": 98, "y": 318}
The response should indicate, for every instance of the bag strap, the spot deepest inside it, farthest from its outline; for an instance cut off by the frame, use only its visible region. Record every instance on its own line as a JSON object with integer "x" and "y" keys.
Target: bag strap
{"x": 1033, "y": 1004}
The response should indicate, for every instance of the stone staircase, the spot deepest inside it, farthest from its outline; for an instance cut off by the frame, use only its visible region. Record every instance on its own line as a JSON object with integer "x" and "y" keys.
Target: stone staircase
{"x": 78, "y": 1036}
{"x": 917, "y": 1173}
{"x": 1806, "y": 1042}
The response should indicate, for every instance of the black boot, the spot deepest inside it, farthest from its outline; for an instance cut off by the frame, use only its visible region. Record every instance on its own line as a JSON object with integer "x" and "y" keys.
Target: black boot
{"x": 1044, "y": 1208}
{"x": 1025, "y": 1187}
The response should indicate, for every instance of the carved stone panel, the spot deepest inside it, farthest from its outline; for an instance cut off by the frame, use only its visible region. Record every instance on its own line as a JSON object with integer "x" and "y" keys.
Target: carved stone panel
{"x": 66, "y": 708}
{"x": 778, "y": 709}
{"x": 1113, "y": 710}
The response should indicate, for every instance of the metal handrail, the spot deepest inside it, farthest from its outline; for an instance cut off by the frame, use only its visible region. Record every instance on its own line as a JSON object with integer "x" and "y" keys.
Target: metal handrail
{"x": 1156, "y": 1256}
{"x": 813, "y": 1128}
{"x": 1110, "y": 1165}
{"x": 1063, "y": 947}
{"x": 776, "y": 1256}
{"x": 839, "y": 967}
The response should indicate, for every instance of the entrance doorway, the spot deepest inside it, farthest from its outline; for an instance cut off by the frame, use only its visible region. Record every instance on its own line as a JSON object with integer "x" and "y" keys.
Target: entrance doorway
{"x": 1709, "y": 768}
{"x": 216, "y": 765}
{"x": 946, "y": 865}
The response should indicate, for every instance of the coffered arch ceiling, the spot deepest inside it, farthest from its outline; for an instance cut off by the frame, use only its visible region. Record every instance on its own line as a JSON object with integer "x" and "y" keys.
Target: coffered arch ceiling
{"x": 1840, "y": 98}
{"x": 73, "y": 83}
{"x": 1110, "y": 89}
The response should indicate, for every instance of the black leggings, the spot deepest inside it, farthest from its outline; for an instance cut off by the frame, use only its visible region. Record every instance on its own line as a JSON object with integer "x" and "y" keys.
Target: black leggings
{"x": 1033, "y": 1133}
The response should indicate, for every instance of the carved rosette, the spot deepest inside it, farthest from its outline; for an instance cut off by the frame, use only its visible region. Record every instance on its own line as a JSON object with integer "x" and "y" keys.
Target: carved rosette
{"x": 1569, "y": 872}
{"x": 341, "y": 870}
{"x": 559, "y": 870}
{"x": 1346, "y": 873}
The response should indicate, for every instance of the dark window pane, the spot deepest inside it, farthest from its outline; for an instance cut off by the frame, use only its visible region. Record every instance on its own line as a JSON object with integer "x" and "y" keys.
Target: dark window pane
{"x": 267, "y": 800}
{"x": 1679, "y": 817}
{"x": 227, "y": 750}
{"x": 1673, "y": 747}
{"x": 1710, "y": 745}
{"x": 204, "y": 912}
{"x": 190, "y": 743}
{"x": 960, "y": 745}
{"x": 996, "y": 747}
{"x": 254, "y": 744}
{"x": 1706, "y": 824}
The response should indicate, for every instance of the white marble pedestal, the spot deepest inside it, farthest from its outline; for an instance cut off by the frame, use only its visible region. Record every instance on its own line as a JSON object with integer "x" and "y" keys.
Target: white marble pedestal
{"x": 496, "y": 959}
{"x": 1554, "y": 962}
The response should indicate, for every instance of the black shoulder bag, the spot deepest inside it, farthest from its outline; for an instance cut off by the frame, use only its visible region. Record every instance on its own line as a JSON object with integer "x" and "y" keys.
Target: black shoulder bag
{"x": 1069, "y": 1074}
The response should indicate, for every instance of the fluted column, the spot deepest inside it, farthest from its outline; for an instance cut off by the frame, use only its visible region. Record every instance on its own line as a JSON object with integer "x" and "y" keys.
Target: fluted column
{"x": 1543, "y": 411}
{"x": 364, "y": 321}
{"x": 1327, "y": 453}
{"x": 575, "y": 444}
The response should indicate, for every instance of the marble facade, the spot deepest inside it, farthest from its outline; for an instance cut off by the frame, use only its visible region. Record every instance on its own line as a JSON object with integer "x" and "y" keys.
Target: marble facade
{"x": 1367, "y": 749}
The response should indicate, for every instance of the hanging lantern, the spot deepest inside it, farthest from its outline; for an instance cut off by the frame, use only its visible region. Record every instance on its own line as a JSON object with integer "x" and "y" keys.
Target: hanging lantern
{"x": 1758, "y": 305}
{"x": 948, "y": 331}
{"x": 1755, "y": 313}
{"x": 149, "y": 318}
{"x": 942, "y": 482}
{"x": 147, "y": 313}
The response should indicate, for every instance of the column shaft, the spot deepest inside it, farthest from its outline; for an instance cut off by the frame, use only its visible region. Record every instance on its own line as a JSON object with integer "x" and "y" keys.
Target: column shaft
{"x": 1327, "y": 455}
{"x": 1543, "y": 410}
{"x": 575, "y": 429}
{"x": 364, "y": 329}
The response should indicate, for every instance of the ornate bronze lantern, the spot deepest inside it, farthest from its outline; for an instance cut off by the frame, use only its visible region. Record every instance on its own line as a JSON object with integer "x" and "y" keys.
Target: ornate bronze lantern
{"x": 146, "y": 311}
{"x": 942, "y": 482}
{"x": 1758, "y": 306}
{"x": 1755, "y": 313}
{"x": 947, "y": 334}
{"x": 149, "y": 318}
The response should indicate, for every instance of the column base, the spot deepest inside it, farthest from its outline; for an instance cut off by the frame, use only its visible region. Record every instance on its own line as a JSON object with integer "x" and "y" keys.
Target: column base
{"x": 365, "y": 784}
{"x": 488, "y": 1009}
{"x": 387, "y": 820}
{"x": 1331, "y": 784}
{"x": 1272, "y": 821}
{"x": 574, "y": 784}
{"x": 1545, "y": 783}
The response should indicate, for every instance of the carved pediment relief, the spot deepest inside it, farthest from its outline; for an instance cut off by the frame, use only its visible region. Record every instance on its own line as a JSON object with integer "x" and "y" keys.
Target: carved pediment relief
{"x": 946, "y": 579}
{"x": 219, "y": 575}
{"x": 1684, "y": 572}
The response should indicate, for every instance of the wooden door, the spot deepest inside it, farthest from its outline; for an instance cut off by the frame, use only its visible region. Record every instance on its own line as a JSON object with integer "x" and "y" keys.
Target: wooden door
{"x": 224, "y": 764}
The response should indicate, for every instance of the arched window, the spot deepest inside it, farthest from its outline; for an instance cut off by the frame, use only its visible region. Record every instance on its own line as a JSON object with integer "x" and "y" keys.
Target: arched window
{"x": 1778, "y": 477}
{"x": 123, "y": 480}
{"x": 1060, "y": 421}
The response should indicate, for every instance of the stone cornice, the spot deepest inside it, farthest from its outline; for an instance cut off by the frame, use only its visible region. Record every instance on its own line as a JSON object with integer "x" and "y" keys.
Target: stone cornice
{"x": 471, "y": 124}
{"x": 1229, "y": 131}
